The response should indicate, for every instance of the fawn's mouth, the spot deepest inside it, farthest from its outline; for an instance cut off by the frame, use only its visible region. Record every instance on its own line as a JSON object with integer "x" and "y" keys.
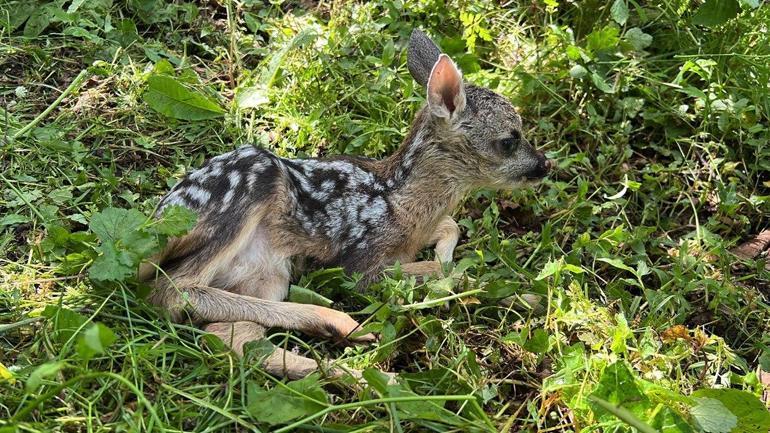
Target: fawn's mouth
{"x": 540, "y": 171}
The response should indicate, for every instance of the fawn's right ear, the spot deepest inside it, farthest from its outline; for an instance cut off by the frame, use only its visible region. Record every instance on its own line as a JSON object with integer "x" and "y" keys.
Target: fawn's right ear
{"x": 446, "y": 90}
{"x": 421, "y": 55}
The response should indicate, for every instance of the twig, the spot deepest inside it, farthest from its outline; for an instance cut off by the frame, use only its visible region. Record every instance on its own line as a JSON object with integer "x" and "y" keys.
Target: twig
{"x": 10, "y": 326}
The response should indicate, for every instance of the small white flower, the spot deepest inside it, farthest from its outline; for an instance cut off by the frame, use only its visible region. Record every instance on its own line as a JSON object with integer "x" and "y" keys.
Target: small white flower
{"x": 21, "y": 92}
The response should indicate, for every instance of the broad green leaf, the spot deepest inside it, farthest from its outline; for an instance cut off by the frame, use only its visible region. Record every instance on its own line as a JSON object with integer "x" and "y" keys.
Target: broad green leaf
{"x": 124, "y": 243}
{"x": 600, "y": 84}
{"x": 712, "y": 416}
{"x": 75, "y": 5}
{"x": 163, "y": 67}
{"x": 95, "y": 340}
{"x": 387, "y": 335}
{"x": 549, "y": 269}
{"x": 257, "y": 349}
{"x": 171, "y": 98}
{"x": 515, "y": 337}
{"x": 578, "y": 71}
{"x": 388, "y": 52}
{"x": 112, "y": 264}
{"x": 622, "y": 413}
{"x": 113, "y": 224}
{"x": 538, "y": 343}
{"x": 252, "y": 22}
{"x": 751, "y": 413}
{"x": 302, "y": 295}
{"x": 44, "y": 371}
{"x": 618, "y": 387}
{"x": 668, "y": 421}
{"x": 21, "y": 12}
{"x": 638, "y": 39}
{"x": 604, "y": 39}
{"x": 571, "y": 364}
{"x": 621, "y": 335}
{"x": 175, "y": 221}
{"x": 573, "y": 269}
{"x": 764, "y": 359}
{"x": 617, "y": 263}
{"x": 619, "y": 11}
{"x": 279, "y": 405}
{"x": 13, "y": 219}
{"x": 65, "y": 322}
{"x": 37, "y": 22}
{"x": 376, "y": 379}
{"x": 715, "y": 12}
{"x": 251, "y": 97}
{"x": 139, "y": 244}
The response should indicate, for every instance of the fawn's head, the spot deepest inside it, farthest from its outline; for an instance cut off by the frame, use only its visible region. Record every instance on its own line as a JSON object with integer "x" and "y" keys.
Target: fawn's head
{"x": 474, "y": 121}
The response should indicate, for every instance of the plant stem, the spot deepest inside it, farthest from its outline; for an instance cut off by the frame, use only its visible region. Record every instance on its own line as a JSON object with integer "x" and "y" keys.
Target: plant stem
{"x": 71, "y": 88}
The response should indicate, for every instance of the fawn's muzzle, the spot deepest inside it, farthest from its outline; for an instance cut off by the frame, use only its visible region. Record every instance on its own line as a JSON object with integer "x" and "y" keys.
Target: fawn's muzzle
{"x": 542, "y": 168}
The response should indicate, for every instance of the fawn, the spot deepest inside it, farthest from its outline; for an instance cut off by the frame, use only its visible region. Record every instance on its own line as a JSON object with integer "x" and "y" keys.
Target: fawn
{"x": 261, "y": 218}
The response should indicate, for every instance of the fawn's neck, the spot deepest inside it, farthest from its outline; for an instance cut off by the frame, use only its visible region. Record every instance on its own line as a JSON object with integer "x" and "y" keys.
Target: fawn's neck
{"x": 427, "y": 181}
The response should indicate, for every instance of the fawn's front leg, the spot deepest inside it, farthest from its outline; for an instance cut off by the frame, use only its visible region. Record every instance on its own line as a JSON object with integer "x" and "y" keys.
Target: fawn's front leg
{"x": 445, "y": 237}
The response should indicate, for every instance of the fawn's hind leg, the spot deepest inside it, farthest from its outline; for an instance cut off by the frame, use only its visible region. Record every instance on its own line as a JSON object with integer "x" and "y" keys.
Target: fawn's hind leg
{"x": 209, "y": 304}
{"x": 279, "y": 363}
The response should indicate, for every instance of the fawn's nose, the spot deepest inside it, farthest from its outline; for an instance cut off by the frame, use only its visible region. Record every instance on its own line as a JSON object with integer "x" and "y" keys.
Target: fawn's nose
{"x": 542, "y": 168}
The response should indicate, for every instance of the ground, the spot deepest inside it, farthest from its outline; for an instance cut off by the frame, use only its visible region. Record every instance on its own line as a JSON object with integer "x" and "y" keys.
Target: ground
{"x": 657, "y": 116}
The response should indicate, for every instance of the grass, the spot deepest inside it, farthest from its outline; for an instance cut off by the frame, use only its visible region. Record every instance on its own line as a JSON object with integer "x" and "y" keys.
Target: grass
{"x": 645, "y": 318}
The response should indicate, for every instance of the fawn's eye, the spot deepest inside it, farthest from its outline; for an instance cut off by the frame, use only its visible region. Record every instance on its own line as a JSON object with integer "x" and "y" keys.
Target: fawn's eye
{"x": 509, "y": 144}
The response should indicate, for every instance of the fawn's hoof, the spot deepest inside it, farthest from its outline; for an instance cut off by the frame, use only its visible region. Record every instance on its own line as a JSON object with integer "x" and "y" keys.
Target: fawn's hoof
{"x": 340, "y": 326}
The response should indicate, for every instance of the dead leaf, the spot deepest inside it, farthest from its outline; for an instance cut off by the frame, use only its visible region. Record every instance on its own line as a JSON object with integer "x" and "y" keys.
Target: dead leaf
{"x": 752, "y": 248}
{"x": 674, "y": 333}
{"x": 470, "y": 300}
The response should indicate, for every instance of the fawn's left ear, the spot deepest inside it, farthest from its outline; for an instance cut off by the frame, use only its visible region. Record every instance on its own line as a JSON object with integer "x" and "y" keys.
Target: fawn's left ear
{"x": 446, "y": 91}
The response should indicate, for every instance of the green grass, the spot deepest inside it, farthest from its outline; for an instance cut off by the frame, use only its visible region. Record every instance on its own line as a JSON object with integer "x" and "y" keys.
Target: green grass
{"x": 660, "y": 129}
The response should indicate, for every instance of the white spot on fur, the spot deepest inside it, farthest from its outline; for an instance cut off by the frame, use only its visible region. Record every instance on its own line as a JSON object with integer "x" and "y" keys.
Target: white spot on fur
{"x": 251, "y": 179}
{"x": 327, "y": 186}
{"x": 227, "y": 200}
{"x": 375, "y": 212}
{"x": 198, "y": 194}
{"x": 202, "y": 172}
{"x": 246, "y": 151}
{"x": 320, "y": 195}
{"x": 174, "y": 198}
{"x": 216, "y": 170}
{"x": 235, "y": 179}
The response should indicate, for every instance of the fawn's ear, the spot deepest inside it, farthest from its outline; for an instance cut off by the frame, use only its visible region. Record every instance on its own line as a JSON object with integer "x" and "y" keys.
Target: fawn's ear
{"x": 446, "y": 91}
{"x": 421, "y": 55}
